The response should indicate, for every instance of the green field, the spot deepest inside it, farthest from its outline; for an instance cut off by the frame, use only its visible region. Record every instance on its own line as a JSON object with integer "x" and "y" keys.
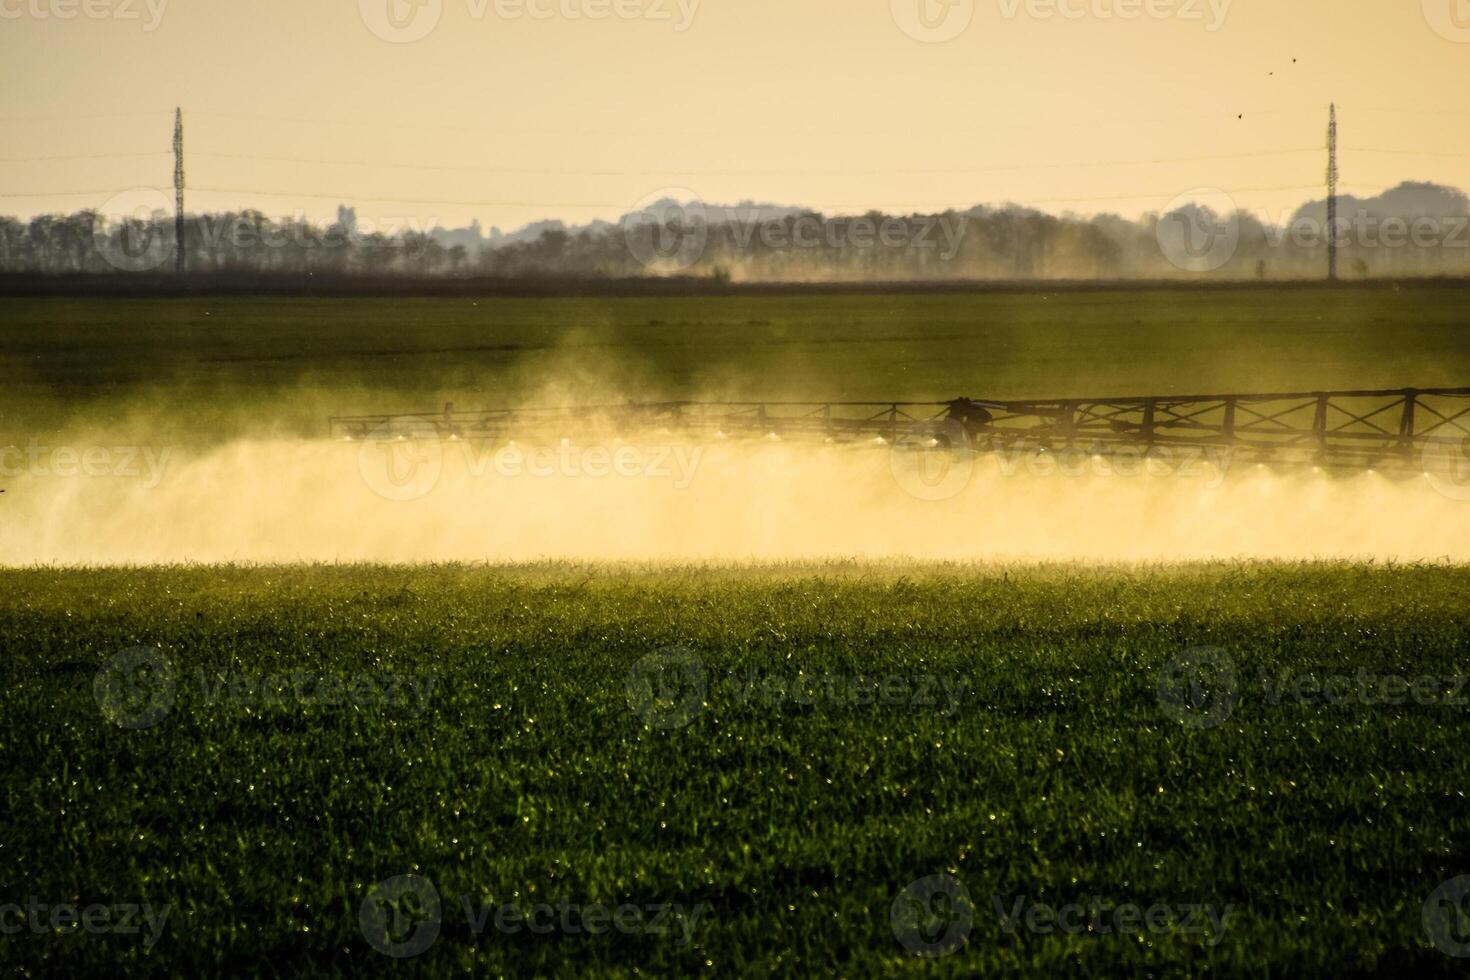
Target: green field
{"x": 1226, "y": 769}
{"x": 212, "y": 368}
{"x": 539, "y": 767}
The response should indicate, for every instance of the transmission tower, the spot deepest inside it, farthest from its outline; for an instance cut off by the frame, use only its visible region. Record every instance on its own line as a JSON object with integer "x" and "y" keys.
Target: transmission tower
{"x": 1332, "y": 193}
{"x": 178, "y": 190}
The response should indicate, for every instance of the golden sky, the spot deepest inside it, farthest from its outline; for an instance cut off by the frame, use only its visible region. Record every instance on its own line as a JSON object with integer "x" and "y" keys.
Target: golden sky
{"x": 439, "y": 111}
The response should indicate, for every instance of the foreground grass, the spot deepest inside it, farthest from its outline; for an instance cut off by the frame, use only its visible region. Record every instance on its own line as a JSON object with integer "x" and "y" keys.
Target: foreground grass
{"x": 534, "y": 771}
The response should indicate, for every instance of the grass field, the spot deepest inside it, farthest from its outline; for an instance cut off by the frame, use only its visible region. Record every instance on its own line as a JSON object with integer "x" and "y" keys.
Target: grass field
{"x": 515, "y": 737}
{"x": 1227, "y": 769}
{"x": 213, "y": 368}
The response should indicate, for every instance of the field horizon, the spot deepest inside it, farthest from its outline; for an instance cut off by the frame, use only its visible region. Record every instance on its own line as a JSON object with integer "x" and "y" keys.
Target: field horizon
{"x": 136, "y": 285}
{"x": 207, "y": 418}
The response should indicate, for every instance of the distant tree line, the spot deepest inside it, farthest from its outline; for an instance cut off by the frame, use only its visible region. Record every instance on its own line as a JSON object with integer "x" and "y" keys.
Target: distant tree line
{"x": 755, "y": 245}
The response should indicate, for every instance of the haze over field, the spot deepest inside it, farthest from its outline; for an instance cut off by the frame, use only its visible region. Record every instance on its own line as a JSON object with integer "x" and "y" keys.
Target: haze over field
{"x": 643, "y": 498}
{"x": 223, "y": 405}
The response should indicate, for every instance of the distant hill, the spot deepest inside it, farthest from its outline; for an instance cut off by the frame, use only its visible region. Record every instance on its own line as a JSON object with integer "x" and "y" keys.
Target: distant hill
{"x": 663, "y": 210}
{"x": 1409, "y": 200}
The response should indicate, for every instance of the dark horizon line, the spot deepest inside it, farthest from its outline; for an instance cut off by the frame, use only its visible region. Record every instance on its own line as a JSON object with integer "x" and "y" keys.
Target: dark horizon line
{"x": 124, "y": 285}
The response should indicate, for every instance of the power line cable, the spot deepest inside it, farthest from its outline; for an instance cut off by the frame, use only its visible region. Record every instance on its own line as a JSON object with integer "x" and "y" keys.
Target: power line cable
{"x": 449, "y": 202}
{"x": 499, "y": 128}
{"x": 746, "y": 173}
{"x": 84, "y": 156}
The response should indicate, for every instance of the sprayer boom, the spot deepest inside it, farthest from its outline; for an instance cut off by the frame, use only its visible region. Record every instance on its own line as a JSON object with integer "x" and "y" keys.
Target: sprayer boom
{"x": 1340, "y": 428}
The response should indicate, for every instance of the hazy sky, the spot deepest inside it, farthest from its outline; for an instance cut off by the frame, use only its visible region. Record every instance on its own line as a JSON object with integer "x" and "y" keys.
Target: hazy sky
{"x": 512, "y": 110}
